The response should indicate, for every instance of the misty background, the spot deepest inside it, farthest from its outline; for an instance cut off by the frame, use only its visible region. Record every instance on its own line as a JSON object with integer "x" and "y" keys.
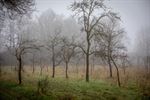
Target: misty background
{"x": 95, "y": 40}
{"x": 134, "y": 14}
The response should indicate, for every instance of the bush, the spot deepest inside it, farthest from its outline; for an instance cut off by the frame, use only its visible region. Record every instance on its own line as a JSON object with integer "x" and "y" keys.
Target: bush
{"x": 43, "y": 85}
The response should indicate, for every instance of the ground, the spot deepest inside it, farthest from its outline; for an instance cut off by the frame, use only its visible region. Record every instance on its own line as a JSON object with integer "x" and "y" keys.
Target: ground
{"x": 42, "y": 87}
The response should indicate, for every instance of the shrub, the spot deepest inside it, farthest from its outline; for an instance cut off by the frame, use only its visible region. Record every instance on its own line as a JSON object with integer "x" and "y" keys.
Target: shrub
{"x": 43, "y": 85}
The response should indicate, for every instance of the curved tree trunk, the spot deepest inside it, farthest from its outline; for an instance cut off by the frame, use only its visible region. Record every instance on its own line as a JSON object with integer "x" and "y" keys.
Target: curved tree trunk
{"x": 118, "y": 76}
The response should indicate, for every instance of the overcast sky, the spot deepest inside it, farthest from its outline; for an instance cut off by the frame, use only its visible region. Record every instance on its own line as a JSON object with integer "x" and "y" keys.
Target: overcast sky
{"x": 135, "y": 14}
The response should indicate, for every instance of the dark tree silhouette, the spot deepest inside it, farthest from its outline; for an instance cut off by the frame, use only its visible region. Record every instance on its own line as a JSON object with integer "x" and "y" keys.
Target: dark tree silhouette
{"x": 12, "y": 8}
{"x": 16, "y": 7}
{"x": 86, "y": 11}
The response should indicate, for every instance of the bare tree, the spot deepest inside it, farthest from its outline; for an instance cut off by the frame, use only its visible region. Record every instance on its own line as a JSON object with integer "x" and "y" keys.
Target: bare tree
{"x": 16, "y": 7}
{"x": 50, "y": 25}
{"x": 53, "y": 45}
{"x": 142, "y": 48}
{"x": 22, "y": 45}
{"x": 12, "y": 8}
{"x": 41, "y": 64}
{"x": 33, "y": 62}
{"x": 86, "y": 11}
{"x": 77, "y": 59}
{"x": 124, "y": 60}
{"x": 110, "y": 38}
{"x": 68, "y": 51}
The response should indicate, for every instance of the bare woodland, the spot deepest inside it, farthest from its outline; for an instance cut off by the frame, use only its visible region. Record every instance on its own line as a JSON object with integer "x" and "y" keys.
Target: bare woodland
{"x": 90, "y": 40}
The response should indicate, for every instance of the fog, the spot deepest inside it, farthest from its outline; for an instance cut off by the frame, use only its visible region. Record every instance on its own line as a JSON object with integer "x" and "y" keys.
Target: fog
{"x": 48, "y": 47}
{"x": 135, "y": 14}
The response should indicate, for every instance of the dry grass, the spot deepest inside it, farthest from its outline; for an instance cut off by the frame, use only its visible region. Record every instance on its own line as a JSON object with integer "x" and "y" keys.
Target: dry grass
{"x": 135, "y": 77}
{"x": 78, "y": 72}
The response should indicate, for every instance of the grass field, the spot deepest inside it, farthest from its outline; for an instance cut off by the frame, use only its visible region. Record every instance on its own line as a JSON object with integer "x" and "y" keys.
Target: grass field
{"x": 43, "y": 87}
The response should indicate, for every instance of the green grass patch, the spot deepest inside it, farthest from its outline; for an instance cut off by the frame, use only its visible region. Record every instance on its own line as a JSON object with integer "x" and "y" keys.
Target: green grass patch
{"x": 62, "y": 89}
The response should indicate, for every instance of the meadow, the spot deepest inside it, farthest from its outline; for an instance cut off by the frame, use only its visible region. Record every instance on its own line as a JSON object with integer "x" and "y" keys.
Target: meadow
{"x": 74, "y": 50}
{"x": 41, "y": 86}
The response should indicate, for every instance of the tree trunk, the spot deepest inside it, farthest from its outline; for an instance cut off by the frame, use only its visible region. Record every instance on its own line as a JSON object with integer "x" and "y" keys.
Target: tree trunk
{"x": 53, "y": 74}
{"x": 67, "y": 70}
{"x": 77, "y": 70}
{"x": 0, "y": 70}
{"x": 109, "y": 60}
{"x": 110, "y": 67}
{"x": 92, "y": 66}
{"x": 47, "y": 68}
{"x": 53, "y": 61}
{"x": 124, "y": 70}
{"x": 33, "y": 67}
{"x": 11, "y": 67}
{"x": 87, "y": 67}
{"x": 15, "y": 67}
{"x": 19, "y": 70}
{"x": 118, "y": 76}
{"x": 41, "y": 70}
{"x": 87, "y": 58}
{"x": 148, "y": 64}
